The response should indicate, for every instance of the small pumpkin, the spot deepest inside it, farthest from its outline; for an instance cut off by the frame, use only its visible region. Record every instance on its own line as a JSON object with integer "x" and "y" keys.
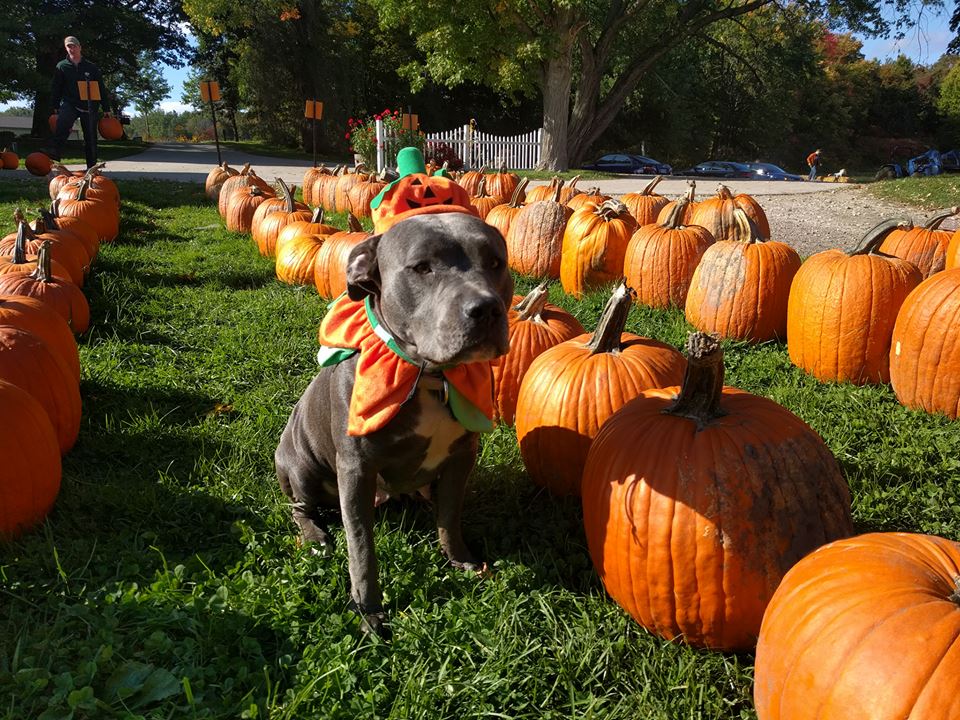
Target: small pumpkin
{"x": 483, "y": 201}
{"x": 62, "y": 177}
{"x": 698, "y": 499}
{"x": 535, "y": 326}
{"x": 594, "y": 244}
{"x": 740, "y": 289}
{"x": 38, "y": 163}
{"x": 546, "y": 192}
{"x": 926, "y": 247}
{"x": 216, "y": 178}
{"x": 661, "y": 258}
{"x": 470, "y": 180}
{"x": 925, "y": 352}
{"x": 31, "y": 470}
{"x": 502, "y": 183}
{"x": 418, "y": 194}
{"x": 571, "y": 389}
{"x": 535, "y": 238}
{"x": 9, "y": 160}
{"x": 864, "y": 628}
{"x": 362, "y": 194}
{"x": 593, "y": 196}
{"x": 689, "y": 208}
{"x": 110, "y": 128}
{"x": 718, "y": 215}
{"x": 842, "y": 309}
{"x": 646, "y": 204}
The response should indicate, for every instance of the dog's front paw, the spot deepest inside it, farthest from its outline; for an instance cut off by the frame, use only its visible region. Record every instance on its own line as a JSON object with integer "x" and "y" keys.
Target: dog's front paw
{"x": 373, "y": 622}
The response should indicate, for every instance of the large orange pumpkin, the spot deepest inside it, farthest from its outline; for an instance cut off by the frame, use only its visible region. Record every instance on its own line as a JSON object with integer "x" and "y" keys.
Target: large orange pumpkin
{"x": 242, "y": 205}
{"x": 546, "y": 192}
{"x": 718, "y": 215}
{"x": 661, "y": 258}
{"x": 592, "y": 196}
{"x": 310, "y": 176}
{"x": 19, "y": 262}
{"x": 502, "y": 215}
{"x": 698, "y": 499}
{"x": 102, "y": 215}
{"x": 470, "y": 180}
{"x": 37, "y": 317}
{"x": 63, "y": 176}
{"x": 243, "y": 179}
{"x": 483, "y": 201}
{"x": 866, "y": 628}
{"x": 646, "y": 204}
{"x": 740, "y": 289}
{"x": 686, "y": 217}
{"x": 68, "y": 253}
{"x": 572, "y": 388}
{"x": 81, "y": 229}
{"x": 58, "y": 293}
{"x": 925, "y": 247}
{"x": 297, "y": 247}
{"x": 363, "y": 193}
{"x": 330, "y": 262}
{"x": 30, "y": 471}
{"x": 502, "y": 183}
{"x": 535, "y": 237}
{"x": 952, "y": 259}
{"x": 842, "y": 309}
{"x": 535, "y": 326}
{"x": 594, "y": 244}
{"x": 274, "y": 214}
{"x": 925, "y": 352}
{"x": 346, "y": 182}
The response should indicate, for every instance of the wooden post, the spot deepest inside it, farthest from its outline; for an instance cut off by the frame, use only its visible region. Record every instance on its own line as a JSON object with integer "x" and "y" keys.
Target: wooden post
{"x": 314, "y": 111}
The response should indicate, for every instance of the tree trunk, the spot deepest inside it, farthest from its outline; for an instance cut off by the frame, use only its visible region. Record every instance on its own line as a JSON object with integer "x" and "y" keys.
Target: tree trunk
{"x": 557, "y": 81}
{"x": 46, "y": 64}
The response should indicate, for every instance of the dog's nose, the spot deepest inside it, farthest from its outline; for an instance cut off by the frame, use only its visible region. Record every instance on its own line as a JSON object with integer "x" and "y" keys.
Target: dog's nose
{"x": 486, "y": 309}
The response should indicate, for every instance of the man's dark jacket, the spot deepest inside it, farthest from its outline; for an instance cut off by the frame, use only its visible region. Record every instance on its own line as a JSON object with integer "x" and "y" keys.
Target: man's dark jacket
{"x": 65, "y": 84}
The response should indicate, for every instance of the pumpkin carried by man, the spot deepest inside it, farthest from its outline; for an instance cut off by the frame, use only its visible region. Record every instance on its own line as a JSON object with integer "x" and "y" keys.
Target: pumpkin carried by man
{"x": 698, "y": 499}
{"x": 38, "y": 163}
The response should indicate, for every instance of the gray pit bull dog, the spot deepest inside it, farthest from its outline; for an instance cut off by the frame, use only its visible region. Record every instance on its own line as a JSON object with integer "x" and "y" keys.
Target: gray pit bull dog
{"x": 441, "y": 286}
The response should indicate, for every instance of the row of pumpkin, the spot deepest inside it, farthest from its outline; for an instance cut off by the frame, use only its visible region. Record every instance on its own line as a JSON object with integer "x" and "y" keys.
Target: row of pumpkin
{"x": 699, "y": 498}
{"x": 43, "y": 266}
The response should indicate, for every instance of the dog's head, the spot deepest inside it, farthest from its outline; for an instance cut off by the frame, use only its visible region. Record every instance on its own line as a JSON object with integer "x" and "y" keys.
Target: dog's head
{"x": 440, "y": 285}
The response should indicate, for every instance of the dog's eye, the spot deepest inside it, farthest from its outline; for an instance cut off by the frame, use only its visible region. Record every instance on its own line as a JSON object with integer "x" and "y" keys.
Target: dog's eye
{"x": 422, "y": 268}
{"x": 495, "y": 263}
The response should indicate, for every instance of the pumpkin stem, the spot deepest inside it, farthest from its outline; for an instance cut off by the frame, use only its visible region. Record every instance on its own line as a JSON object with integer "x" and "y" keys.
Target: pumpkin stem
{"x": 875, "y": 236}
{"x": 572, "y": 185}
{"x": 532, "y": 305}
{"x": 519, "y": 190}
{"x": 245, "y": 170}
{"x": 607, "y": 337}
{"x": 20, "y": 244}
{"x": 954, "y": 597}
{"x": 43, "y": 273}
{"x": 18, "y": 216}
{"x": 691, "y": 190}
{"x": 82, "y": 188}
{"x": 353, "y": 223}
{"x": 557, "y": 190}
{"x": 723, "y": 192}
{"x": 651, "y": 185}
{"x": 747, "y": 230}
{"x": 287, "y": 194}
{"x": 702, "y": 389}
{"x": 610, "y": 209}
{"x": 482, "y": 189}
{"x": 675, "y": 219}
{"x": 317, "y": 217}
{"x": 934, "y": 222}
{"x": 49, "y": 219}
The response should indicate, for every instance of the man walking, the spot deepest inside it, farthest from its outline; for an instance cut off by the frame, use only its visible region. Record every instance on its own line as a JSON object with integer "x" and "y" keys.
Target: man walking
{"x": 67, "y": 103}
{"x": 813, "y": 160}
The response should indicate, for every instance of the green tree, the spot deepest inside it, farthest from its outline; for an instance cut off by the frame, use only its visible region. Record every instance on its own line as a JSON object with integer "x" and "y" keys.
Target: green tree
{"x": 949, "y": 101}
{"x": 149, "y": 88}
{"x": 584, "y": 58}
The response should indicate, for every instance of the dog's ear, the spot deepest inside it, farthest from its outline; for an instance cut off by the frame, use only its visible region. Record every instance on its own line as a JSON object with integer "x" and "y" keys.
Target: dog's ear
{"x": 363, "y": 271}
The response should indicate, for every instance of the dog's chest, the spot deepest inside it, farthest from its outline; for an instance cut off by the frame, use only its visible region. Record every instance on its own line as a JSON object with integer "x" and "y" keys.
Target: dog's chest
{"x": 438, "y": 427}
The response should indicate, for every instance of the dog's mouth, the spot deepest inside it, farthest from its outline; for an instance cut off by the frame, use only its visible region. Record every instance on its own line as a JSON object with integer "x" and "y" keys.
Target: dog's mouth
{"x": 480, "y": 349}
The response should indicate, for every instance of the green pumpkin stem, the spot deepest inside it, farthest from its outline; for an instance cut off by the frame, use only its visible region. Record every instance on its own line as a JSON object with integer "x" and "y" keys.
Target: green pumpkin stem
{"x": 874, "y": 237}
{"x": 607, "y": 337}
{"x": 702, "y": 389}
{"x": 648, "y": 190}
{"x": 935, "y": 222}
{"x": 532, "y": 305}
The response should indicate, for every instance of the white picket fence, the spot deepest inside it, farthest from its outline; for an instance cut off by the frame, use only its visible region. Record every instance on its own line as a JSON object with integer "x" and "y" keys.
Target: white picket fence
{"x": 475, "y": 148}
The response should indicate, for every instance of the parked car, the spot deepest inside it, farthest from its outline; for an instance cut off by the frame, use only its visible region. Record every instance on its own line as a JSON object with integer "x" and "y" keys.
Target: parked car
{"x": 629, "y": 164}
{"x": 932, "y": 162}
{"x": 769, "y": 171}
{"x": 719, "y": 169}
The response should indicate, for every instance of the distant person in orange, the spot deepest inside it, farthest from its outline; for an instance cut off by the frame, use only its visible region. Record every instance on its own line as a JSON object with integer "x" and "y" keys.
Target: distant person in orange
{"x": 67, "y": 104}
{"x": 813, "y": 161}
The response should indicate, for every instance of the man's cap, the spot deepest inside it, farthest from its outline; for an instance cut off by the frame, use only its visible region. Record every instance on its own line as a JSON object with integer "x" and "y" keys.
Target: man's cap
{"x": 70, "y": 40}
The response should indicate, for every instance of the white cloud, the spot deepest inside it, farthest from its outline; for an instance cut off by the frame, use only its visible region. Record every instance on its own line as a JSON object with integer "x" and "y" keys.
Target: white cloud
{"x": 171, "y": 106}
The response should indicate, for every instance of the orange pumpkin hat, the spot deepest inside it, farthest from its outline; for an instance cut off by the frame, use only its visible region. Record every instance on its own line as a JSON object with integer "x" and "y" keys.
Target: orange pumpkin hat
{"x": 416, "y": 193}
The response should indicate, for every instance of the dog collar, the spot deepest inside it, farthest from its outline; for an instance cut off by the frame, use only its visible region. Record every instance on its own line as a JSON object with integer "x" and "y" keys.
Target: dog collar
{"x": 386, "y": 377}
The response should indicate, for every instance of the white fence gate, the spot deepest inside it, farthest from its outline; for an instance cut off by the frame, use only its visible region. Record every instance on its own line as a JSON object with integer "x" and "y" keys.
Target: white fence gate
{"x": 475, "y": 148}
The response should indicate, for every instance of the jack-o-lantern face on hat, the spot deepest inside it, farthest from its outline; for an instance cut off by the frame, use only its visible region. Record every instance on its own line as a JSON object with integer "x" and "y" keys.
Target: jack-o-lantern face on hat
{"x": 419, "y": 194}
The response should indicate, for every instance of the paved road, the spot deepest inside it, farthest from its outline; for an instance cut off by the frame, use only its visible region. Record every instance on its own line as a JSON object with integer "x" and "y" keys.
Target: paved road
{"x": 191, "y": 163}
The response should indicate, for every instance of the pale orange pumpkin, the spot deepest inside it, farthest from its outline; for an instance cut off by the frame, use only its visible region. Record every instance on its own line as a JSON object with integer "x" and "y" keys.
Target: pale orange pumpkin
{"x": 718, "y": 215}
{"x": 535, "y": 238}
{"x": 502, "y": 215}
{"x": 594, "y": 244}
{"x": 645, "y": 205}
{"x": 926, "y": 246}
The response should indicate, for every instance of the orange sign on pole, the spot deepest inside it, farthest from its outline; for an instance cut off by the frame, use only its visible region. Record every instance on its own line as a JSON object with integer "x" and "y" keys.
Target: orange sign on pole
{"x": 209, "y": 90}
{"x": 410, "y": 122}
{"x": 313, "y": 110}
{"x": 89, "y": 89}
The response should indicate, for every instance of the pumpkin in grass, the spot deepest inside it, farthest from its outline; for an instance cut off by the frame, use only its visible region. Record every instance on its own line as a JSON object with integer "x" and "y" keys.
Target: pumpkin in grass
{"x": 661, "y": 258}
{"x": 483, "y": 201}
{"x": 571, "y": 389}
{"x": 592, "y": 196}
{"x": 470, "y": 180}
{"x": 698, "y": 499}
{"x": 952, "y": 259}
{"x": 20, "y": 262}
{"x": 297, "y": 247}
{"x": 38, "y": 163}
{"x": 27, "y": 362}
{"x": 594, "y": 243}
{"x": 103, "y": 216}
{"x": 330, "y": 263}
{"x": 67, "y": 252}
{"x": 325, "y": 188}
{"x": 345, "y": 183}
{"x": 865, "y": 628}
{"x": 842, "y": 309}
{"x": 57, "y": 293}
{"x": 502, "y": 215}
{"x": 37, "y": 317}
{"x": 274, "y": 214}
{"x": 110, "y": 128}
{"x": 9, "y": 160}
{"x": 81, "y": 229}
{"x": 535, "y": 238}
{"x": 925, "y": 351}
{"x": 247, "y": 177}
{"x": 690, "y": 199}
{"x": 310, "y": 176}
{"x": 546, "y": 192}
{"x": 62, "y": 177}
{"x": 242, "y": 206}
{"x": 31, "y": 471}
{"x": 926, "y": 247}
{"x": 718, "y": 215}
{"x": 502, "y": 183}
{"x": 216, "y": 178}
{"x": 570, "y": 190}
{"x": 534, "y": 326}
{"x": 645, "y": 205}
{"x": 740, "y": 289}
{"x": 363, "y": 193}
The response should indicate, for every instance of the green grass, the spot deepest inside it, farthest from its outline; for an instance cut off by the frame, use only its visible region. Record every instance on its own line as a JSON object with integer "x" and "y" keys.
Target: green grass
{"x": 73, "y": 153}
{"x": 168, "y": 582}
{"x": 939, "y": 191}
